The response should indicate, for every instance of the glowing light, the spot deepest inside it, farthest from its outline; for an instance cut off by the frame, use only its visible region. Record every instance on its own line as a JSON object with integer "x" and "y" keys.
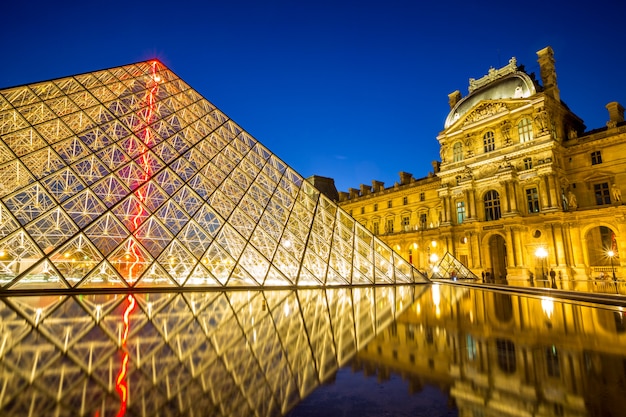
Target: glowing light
{"x": 436, "y": 292}
{"x": 2, "y": 253}
{"x": 434, "y": 243}
{"x": 145, "y": 164}
{"x": 541, "y": 252}
{"x": 434, "y": 258}
{"x": 547, "y": 305}
{"x": 121, "y": 384}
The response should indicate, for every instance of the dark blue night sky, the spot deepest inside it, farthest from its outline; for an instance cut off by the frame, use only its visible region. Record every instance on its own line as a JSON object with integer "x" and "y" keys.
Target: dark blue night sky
{"x": 350, "y": 90}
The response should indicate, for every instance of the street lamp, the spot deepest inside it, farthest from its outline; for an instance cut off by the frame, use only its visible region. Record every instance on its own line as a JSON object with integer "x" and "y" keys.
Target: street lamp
{"x": 541, "y": 253}
{"x": 611, "y": 254}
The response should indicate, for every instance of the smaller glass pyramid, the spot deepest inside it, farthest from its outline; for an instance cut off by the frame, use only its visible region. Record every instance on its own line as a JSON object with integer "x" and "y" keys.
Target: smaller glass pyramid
{"x": 127, "y": 177}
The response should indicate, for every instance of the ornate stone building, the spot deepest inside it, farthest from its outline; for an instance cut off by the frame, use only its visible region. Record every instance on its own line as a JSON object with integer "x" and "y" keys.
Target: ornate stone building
{"x": 522, "y": 188}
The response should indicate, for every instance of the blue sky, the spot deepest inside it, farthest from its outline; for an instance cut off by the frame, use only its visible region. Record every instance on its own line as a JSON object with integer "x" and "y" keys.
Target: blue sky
{"x": 351, "y": 90}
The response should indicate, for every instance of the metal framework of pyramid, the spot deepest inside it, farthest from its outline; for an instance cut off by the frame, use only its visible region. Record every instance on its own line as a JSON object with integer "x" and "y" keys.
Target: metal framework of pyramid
{"x": 217, "y": 353}
{"x": 127, "y": 177}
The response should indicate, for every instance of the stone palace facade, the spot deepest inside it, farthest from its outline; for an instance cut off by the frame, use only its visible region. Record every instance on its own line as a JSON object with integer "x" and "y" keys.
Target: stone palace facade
{"x": 522, "y": 188}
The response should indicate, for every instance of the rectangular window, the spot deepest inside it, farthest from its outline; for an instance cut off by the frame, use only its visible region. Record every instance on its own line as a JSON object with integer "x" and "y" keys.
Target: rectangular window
{"x": 375, "y": 207}
{"x": 405, "y": 223}
{"x": 422, "y": 197}
{"x": 389, "y": 226}
{"x": 460, "y": 212}
{"x": 602, "y": 194}
{"x": 528, "y": 163}
{"x": 405, "y": 200}
{"x": 552, "y": 362}
{"x": 532, "y": 200}
{"x": 389, "y": 204}
{"x": 376, "y": 228}
{"x": 423, "y": 220}
{"x": 362, "y": 210}
{"x": 596, "y": 158}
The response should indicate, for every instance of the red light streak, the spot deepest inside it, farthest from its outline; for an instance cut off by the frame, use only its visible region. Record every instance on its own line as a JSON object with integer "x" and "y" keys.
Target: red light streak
{"x": 121, "y": 384}
{"x": 144, "y": 163}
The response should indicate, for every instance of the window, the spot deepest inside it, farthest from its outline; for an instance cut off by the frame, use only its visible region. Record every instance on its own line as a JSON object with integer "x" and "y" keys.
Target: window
{"x": 422, "y": 197}
{"x": 492, "y": 205}
{"x": 389, "y": 226}
{"x": 376, "y": 228}
{"x": 525, "y": 130}
{"x": 596, "y": 158}
{"x": 362, "y": 210}
{"x": 350, "y": 212}
{"x": 458, "y": 179}
{"x": 389, "y": 204}
{"x": 552, "y": 362}
{"x": 506, "y": 356}
{"x": 528, "y": 163}
{"x": 405, "y": 200}
{"x": 602, "y": 193}
{"x": 376, "y": 207}
{"x": 472, "y": 348}
{"x": 457, "y": 152}
{"x": 423, "y": 220}
{"x": 489, "y": 142}
{"x": 532, "y": 199}
{"x": 405, "y": 223}
{"x": 460, "y": 212}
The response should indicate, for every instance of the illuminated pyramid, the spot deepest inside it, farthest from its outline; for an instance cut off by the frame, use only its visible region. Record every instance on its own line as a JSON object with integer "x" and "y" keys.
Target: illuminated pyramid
{"x": 127, "y": 177}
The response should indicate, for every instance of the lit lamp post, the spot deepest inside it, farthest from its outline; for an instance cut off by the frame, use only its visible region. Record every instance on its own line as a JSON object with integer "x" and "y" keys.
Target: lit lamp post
{"x": 541, "y": 253}
{"x": 611, "y": 254}
{"x": 433, "y": 260}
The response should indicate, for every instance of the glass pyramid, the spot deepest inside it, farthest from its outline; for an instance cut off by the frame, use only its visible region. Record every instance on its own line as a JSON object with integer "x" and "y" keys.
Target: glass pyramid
{"x": 127, "y": 177}
{"x": 208, "y": 353}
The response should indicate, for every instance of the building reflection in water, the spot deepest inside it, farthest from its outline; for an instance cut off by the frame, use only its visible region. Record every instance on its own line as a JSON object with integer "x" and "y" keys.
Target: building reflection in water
{"x": 232, "y": 353}
{"x": 499, "y": 354}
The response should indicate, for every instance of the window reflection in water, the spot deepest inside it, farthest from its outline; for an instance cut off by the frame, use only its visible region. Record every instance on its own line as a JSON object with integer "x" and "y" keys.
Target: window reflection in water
{"x": 505, "y": 354}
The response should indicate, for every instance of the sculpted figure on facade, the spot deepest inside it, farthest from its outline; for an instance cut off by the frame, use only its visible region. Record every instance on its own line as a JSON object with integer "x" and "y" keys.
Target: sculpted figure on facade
{"x": 505, "y": 128}
{"x": 572, "y": 201}
{"x": 617, "y": 193}
{"x": 542, "y": 120}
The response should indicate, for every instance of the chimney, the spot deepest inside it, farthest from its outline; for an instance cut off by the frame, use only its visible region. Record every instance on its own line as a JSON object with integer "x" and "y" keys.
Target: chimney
{"x": 377, "y": 186}
{"x": 454, "y": 98}
{"x": 343, "y": 196}
{"x": 616, "y": 113}
{"x": 548, "y": 72}
{"x": 405, "y": 177}
{"x": 354, "y": 192}
{"x": 365, "y": 189}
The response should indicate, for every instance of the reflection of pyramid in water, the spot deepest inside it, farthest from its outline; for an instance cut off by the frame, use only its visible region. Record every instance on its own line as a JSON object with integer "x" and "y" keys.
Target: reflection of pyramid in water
{"x": 128, "y": 177}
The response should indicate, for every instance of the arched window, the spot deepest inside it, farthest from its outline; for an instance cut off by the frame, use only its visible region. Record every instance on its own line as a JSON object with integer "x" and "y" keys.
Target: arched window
{"x": 460, "y": 212}
{"x": 457, "y": 152}
{"x": 492, "y": 205}
{"x": 525, "y": 130}
{"x": 489, "y": 142}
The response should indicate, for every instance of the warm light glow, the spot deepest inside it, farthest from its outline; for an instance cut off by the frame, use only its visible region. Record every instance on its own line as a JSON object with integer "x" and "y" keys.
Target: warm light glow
{"x": 547, "y": 305}
{"x": 434, "y": 243}
{"x": 610, "y": 254}
{"x": 415, "y": 246}
{"x": 436, "y": 292}
{"x": 541, "y": 252}
{"x": 121, "y": 384}
{"x": 433, "y": 257}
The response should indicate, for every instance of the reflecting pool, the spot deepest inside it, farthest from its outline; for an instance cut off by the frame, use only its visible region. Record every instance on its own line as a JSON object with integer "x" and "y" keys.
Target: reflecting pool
{"x": 390, "y": 350}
